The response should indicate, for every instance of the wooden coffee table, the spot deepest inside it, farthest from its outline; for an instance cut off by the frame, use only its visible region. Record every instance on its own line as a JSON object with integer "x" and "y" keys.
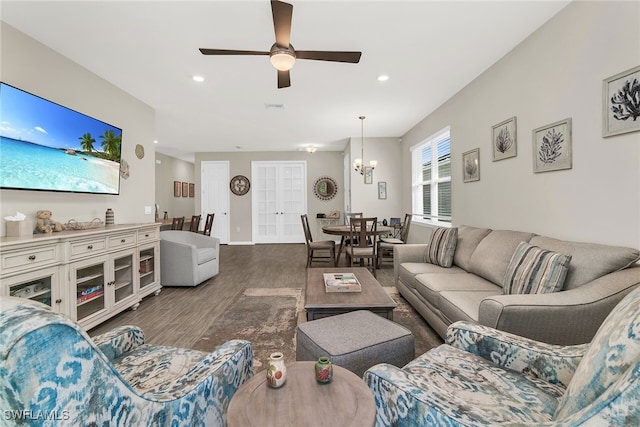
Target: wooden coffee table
{"x": 301, "y": 401}
{"x": 320, "y": 303}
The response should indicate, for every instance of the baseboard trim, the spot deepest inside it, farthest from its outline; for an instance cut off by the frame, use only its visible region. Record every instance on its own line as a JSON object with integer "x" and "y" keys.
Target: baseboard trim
{"x": 240, "y": 243}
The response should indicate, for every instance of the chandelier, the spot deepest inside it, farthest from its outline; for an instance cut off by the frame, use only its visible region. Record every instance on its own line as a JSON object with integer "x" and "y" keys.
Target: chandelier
{"x": 358, "y": 164}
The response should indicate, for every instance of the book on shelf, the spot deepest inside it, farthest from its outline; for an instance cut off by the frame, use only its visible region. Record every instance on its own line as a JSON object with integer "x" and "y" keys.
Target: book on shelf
{"x": 341, "y": 282}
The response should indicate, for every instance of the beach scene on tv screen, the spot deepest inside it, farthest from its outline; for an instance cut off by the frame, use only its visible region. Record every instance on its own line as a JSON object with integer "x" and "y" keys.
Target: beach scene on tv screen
{"x": 45, "y": 146}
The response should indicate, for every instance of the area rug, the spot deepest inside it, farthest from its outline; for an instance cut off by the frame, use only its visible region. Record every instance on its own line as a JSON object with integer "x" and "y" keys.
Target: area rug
{"x": 267, "y": 317}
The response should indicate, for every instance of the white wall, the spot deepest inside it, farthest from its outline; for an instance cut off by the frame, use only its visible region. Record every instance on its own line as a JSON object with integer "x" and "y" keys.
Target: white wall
{"x": 554, "y": 74}
{"x": 320, "y": 163}
{"x": 169, "y": 170}
{"x": 364, "y": 197}
{"x": 31, "y": 66}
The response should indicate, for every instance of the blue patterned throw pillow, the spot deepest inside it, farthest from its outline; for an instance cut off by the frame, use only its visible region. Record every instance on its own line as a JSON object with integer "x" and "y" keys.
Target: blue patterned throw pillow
{"x": 533, "y": 270}
{"x": 442, "y": 247}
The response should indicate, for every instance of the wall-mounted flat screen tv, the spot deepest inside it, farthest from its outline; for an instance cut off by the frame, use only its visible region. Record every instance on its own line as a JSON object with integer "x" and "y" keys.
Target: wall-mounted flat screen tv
{"x": 45, "y": 146}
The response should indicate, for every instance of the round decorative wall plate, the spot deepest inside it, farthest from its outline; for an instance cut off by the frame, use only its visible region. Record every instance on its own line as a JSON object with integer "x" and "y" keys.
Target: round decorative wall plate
{"x": 325, "y": 188}
{"x": 240, "y": 185}
{"x": 139, "y": 151}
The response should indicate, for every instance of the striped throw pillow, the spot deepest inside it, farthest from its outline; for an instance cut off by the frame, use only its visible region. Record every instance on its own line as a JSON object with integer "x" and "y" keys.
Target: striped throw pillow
{"x": 442, "y": 247}
{"x": 533, "y": 270}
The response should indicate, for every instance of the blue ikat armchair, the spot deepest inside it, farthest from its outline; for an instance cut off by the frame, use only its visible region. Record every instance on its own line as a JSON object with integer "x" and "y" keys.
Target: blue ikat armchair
{"x": 52, "y": 373}
{"x": 483, "y": 376}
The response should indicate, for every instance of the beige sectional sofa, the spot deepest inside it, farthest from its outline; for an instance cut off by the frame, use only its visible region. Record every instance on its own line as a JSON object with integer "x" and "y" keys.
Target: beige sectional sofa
{"x": 599, "y": 276}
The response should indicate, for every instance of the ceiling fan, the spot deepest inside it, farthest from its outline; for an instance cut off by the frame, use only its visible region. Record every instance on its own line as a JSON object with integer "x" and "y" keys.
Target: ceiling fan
{"x": 282, "y": 55}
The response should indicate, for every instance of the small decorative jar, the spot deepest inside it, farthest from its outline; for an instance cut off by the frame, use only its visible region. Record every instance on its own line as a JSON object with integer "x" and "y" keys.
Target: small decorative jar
{"x": 108, "y": 220}
{"x": 324, "y": 370}
{"x": 276, "y": 370}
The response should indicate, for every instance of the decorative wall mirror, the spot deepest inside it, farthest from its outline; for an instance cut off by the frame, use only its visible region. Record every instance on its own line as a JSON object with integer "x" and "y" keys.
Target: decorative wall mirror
{"x": 325, "y": 188}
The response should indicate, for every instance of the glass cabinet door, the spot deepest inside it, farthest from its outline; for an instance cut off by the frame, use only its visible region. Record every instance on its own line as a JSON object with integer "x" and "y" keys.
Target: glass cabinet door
{"x": 90, "y": 287}
{"x": 147, "y": 267}
{"x": 123, "y": 277}
{"x": 40, "y": 286}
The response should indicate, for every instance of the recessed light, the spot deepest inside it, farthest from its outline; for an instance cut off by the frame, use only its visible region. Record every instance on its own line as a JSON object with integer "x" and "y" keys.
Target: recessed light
{"x": 383, "y": 78}
{"x": 198, "y": 78}
{"x": 155, "y": 141}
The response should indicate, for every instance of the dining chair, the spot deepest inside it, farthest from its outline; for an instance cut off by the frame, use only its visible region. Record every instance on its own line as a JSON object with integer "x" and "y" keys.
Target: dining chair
{"x": 321, "y": 246}
{"x": 195, "y": 223}
{"x": 386, "y": 244}
{"x": 208, "y": 225}
{"x": 363, "y": 234}
{"x": 177, "y": 223}
{"x": 347, "y": 220}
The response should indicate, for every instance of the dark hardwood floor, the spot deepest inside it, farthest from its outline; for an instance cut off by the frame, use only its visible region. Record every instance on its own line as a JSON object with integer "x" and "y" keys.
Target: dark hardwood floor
{"x": 179, "y": 316}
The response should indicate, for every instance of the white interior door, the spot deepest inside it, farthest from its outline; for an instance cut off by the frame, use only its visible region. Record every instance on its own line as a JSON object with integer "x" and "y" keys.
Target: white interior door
{"x": 278, "y": 198}
{"x": 215, "y": 197}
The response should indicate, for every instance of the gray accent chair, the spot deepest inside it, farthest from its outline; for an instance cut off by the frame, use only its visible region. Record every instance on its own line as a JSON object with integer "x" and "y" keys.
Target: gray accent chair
{"x": 187, "y": 259}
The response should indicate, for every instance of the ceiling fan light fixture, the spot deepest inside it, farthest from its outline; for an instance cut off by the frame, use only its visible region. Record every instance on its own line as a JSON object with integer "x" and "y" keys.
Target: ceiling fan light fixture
{"x": 311, "y": 149}
{"x": 282, "y": 60}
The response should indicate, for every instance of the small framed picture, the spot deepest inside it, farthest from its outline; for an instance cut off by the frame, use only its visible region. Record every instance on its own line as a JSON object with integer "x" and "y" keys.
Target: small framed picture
{"x": 192, "y": 189}
{"x": 382, "y": 190}
{"x": 471, "y": 165}
{"x": 185, "y": 189}
{"x": 503, "y": 137}
{"x": 176, "y": 188}
{"x": 368, "y": 175}
{"x": 621, "y": 103}
{"x": 552, "y": 147}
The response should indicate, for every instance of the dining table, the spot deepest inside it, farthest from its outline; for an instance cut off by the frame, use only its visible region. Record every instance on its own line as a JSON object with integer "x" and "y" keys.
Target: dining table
{"x": 345, "y": 230}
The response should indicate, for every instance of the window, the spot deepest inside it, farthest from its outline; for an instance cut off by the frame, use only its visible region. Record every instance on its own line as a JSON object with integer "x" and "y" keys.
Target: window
{"x": 431, "y": 179}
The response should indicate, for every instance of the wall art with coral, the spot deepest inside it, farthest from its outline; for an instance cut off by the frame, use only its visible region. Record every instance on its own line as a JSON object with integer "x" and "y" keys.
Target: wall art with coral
{"x": 552, "y": 147}
{"x": 621, "y": 103}
{"x": 503, "y": 137}
{"x": 471, "y": 165}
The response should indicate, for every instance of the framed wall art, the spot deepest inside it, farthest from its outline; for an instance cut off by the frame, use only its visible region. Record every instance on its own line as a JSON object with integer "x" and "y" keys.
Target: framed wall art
{"x": 382, "y": 190}
{"x": 503, "y": 138}
{"x": 471, "y": 165}
{"x": 185, "y": 189}
{"x": 552, "y": 147}
{"x": 192, "y": 189}
{"x": 621, "y": 103}
{"x": 176, "y": 188}
{"x": 368, "y": 175}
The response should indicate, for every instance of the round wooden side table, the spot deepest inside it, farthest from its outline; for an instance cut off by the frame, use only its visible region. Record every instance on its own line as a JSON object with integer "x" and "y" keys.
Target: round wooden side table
{"x": 301, "y": 401}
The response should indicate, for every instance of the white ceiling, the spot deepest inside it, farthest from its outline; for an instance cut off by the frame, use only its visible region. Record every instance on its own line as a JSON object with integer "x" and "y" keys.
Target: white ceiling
{"x": 429, "y": 49}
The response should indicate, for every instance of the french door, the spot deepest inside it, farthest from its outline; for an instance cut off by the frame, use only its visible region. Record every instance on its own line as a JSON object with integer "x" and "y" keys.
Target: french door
{"x": 278, "y": 197}
{"x": 214, "y": 178}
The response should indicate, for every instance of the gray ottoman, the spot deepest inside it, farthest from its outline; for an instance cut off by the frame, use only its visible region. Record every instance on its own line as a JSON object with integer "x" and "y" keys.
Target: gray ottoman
{"x": 356, "y": 341}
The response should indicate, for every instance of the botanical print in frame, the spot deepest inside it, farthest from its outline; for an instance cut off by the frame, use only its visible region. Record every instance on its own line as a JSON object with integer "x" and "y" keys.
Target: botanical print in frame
{"x": 382, "y": 190}
{"x": 185, "y": 189}
{"x": 192, "y": 189}
{"x": 176, "y": 188}
{"x": 471, "y": 165}
{"x": 503, "y": 138}
{"x": 621, "y": 103}
{"x": 552, "y": 147}
{"x": 368, "y": 175}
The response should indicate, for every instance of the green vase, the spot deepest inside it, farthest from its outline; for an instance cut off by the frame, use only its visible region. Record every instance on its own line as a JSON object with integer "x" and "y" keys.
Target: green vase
{"x": 324, "y": 370}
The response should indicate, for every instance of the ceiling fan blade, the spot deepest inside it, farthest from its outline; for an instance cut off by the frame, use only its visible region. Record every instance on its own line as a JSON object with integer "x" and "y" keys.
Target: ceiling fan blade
{"x": 231, "y": 52}
{"x": 282, "y": 13}
{"x": 284, "y": 79}
{"x": 319, "y": 55}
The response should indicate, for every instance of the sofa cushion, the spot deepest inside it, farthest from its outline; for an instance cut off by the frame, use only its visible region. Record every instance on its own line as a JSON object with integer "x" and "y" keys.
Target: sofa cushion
{"x": 442, "y": 246}
{"x": 493, "y": 254}
{"x": 430, "y": 285}
{"x": 409, "y": 270}
{"x": 589, "y": 260}
{"x": 205, "y": 255}
{"x": 464, "y": 305}
{"x": 468, "y": 239}
{"x": 533, "y": 270}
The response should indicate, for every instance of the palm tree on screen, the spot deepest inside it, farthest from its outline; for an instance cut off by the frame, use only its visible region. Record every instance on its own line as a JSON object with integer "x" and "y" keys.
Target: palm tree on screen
{"x": 111, "y": 144}
{"x": 87, "y": 141}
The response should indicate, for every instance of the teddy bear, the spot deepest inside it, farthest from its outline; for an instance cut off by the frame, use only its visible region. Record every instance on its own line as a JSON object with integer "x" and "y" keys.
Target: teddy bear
{"x": 45, "y": 224}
